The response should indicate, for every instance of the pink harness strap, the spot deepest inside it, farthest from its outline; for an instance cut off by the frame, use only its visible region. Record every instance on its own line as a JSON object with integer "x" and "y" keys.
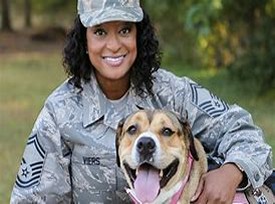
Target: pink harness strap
{"x": 176, "y": 196}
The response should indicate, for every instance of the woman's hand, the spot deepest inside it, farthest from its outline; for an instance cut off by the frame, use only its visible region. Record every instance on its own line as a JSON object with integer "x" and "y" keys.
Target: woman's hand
{"x": 218, "y": 186}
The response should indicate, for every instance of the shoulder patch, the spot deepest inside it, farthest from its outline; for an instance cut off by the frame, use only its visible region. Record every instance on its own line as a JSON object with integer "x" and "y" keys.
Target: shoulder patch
{"x": 207, "y": 101}
{"x": 31, "y": 165}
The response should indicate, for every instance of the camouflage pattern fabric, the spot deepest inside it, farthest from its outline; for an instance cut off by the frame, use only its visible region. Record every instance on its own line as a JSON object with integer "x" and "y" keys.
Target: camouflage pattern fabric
{"x": 70, "y": 155}
{"x": 94, "y": 12}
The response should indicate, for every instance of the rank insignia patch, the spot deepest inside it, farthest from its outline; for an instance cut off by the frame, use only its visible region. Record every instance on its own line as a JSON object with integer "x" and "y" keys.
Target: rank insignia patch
{"x": 207, "y": 101}
{"x": 31, "y": 165}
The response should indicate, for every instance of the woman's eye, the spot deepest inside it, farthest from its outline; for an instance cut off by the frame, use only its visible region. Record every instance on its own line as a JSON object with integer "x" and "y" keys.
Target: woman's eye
{"x": 132, "y": 129}
{"x": 167, "y": 132}
{"x": 100, "y": 32}
{"x": 125, "y": 31}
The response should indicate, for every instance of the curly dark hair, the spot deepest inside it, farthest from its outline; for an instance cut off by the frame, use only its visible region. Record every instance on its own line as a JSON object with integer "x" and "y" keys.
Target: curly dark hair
{"x": 78, "y": 66}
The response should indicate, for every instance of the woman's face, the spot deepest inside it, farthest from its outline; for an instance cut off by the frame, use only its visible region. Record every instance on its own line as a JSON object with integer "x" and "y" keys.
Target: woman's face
{"x": 112, "y": 50}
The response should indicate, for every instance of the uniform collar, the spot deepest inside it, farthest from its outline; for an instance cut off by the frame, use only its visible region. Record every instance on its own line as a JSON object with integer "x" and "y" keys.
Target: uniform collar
{"x": 91, "y": 103}
{"x": 95, "y": 105}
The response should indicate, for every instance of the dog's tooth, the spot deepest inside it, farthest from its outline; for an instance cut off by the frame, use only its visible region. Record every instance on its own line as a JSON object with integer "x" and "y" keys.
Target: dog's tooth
{"x": 136, "y": 171}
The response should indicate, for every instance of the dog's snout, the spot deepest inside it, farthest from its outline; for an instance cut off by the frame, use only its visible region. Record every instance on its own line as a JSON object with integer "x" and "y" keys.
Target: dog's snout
{"x": 146, "y": 146}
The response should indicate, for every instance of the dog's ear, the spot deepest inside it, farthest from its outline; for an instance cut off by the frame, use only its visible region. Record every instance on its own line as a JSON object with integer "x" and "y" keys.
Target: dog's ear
{"x": 192, "y": 146}
{"x": 187, "y": 130}
{"x": 118, "y": 133}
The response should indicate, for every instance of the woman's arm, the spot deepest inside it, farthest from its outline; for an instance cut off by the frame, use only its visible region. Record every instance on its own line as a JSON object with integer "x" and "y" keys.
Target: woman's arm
{"x": 44, "y": 175}
{"x": 232, "y": 140}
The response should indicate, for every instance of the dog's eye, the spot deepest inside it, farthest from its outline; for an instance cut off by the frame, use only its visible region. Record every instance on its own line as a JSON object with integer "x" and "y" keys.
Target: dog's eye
{"x": 132, "y": 129}
{"x": 167, "y": 132}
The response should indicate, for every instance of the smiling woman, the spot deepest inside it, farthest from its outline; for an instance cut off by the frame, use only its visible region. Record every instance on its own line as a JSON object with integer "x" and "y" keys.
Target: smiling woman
{"x": 112, "y": 51}
{"x": 127, "y": 43}
{"x": 112, "y": 58}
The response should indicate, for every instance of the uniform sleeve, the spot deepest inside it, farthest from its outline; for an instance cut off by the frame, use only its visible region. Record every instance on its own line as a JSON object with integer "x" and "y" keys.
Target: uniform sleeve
{"x": 228, "y": 133}
{"x": 43, "y": 176}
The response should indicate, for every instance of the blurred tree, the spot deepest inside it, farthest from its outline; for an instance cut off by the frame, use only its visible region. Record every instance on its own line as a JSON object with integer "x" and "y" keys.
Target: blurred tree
{"x": 56, "y": 13}
{"x": 239, "y": 35}
{"x": 6, "y": 21}
{"x": 256, "y": 62}
{"x": 168, "y": 17}
{"x": 42, "y": 13}
{"x": 28, "y": 18}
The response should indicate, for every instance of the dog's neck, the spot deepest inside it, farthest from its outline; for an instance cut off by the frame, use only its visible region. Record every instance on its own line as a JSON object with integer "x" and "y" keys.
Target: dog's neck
{"x": 175, "y": 198}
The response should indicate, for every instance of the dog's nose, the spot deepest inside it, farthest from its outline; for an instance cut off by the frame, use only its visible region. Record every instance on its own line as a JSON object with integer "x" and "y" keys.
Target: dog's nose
{"x": 146, "y": 146}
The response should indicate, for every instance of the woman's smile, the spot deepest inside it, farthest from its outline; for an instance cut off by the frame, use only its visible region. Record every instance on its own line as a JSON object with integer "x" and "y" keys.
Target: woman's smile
{"x": 114, "y": 61}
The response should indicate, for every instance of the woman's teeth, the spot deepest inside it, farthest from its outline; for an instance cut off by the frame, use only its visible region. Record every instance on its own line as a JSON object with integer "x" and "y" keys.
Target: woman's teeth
{"x": 114, "y": 61}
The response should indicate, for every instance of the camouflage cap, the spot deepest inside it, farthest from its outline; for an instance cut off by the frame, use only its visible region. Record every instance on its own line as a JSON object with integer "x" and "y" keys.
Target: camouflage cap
{"x": 94, "y": 12}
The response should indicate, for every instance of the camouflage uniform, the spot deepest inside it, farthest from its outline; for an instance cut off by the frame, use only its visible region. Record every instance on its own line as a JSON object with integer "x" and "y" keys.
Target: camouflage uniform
{"x": 70, "y": 155}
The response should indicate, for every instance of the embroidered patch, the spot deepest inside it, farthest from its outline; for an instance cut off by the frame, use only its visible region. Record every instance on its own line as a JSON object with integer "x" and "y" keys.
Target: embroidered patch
{"x": 31, "y": 165}
{"x": 207, "y": 101}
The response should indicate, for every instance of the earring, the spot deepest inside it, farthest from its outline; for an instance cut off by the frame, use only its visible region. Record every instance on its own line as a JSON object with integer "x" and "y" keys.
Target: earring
{"x": 87, "y": 52}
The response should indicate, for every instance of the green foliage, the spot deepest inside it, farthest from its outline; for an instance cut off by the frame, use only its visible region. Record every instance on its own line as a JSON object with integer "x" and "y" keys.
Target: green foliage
{"x": 200, "y": 15}
{"x": 257, "y": 62}
{"x": 239, "y": 35}
{"x": 47, "y": 13}
{"x": 168, "y": 16}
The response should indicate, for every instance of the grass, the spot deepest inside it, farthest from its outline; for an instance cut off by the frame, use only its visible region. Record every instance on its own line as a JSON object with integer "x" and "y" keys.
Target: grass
{"x": 26, "y": 80}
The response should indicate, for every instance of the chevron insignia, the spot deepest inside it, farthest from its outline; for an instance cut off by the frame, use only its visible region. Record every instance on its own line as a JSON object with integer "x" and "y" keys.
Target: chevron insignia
{"x": 31, "y": 165}
{"x": 207, "y": 101}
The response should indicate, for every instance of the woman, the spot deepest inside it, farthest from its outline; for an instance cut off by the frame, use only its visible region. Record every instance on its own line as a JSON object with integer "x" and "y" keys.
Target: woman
{"x": 112, "y": 58}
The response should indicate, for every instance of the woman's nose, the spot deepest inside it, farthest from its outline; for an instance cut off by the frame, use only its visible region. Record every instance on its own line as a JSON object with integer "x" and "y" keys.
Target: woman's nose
{"x": 113, "y": 43}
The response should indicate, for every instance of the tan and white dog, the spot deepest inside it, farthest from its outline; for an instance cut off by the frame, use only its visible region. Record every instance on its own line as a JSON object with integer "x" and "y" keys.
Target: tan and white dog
{"x": 159, "y": 156}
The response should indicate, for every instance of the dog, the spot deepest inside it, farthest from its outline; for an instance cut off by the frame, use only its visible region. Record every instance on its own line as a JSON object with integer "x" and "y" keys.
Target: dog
{"x": 159, "y": 156}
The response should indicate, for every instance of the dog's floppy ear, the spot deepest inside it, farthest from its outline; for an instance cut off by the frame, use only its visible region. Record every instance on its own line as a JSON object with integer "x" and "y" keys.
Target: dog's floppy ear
{"x": 191, "y": 141}
{"x": 118, "y": 133}
{"x": 187, "y": 129}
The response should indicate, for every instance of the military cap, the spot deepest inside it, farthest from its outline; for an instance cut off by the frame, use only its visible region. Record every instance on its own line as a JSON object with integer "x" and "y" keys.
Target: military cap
{"x": 94, "y": 12}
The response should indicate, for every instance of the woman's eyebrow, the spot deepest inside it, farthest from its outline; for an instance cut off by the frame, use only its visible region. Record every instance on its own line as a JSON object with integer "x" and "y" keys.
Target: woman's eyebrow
{"x": 128, "y": 23}
{"x": 97, "y": 26}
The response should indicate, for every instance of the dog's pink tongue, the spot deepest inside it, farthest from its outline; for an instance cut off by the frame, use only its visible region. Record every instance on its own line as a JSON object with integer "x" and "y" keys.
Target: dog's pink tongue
{"x": 147, "y": 184}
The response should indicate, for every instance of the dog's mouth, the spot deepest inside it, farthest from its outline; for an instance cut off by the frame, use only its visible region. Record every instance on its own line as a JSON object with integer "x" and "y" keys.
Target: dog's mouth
{"x": 148, "y": 180}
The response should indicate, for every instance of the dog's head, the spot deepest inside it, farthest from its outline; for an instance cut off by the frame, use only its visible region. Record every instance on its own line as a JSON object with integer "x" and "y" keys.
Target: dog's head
{"x": 152, "y": 150}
